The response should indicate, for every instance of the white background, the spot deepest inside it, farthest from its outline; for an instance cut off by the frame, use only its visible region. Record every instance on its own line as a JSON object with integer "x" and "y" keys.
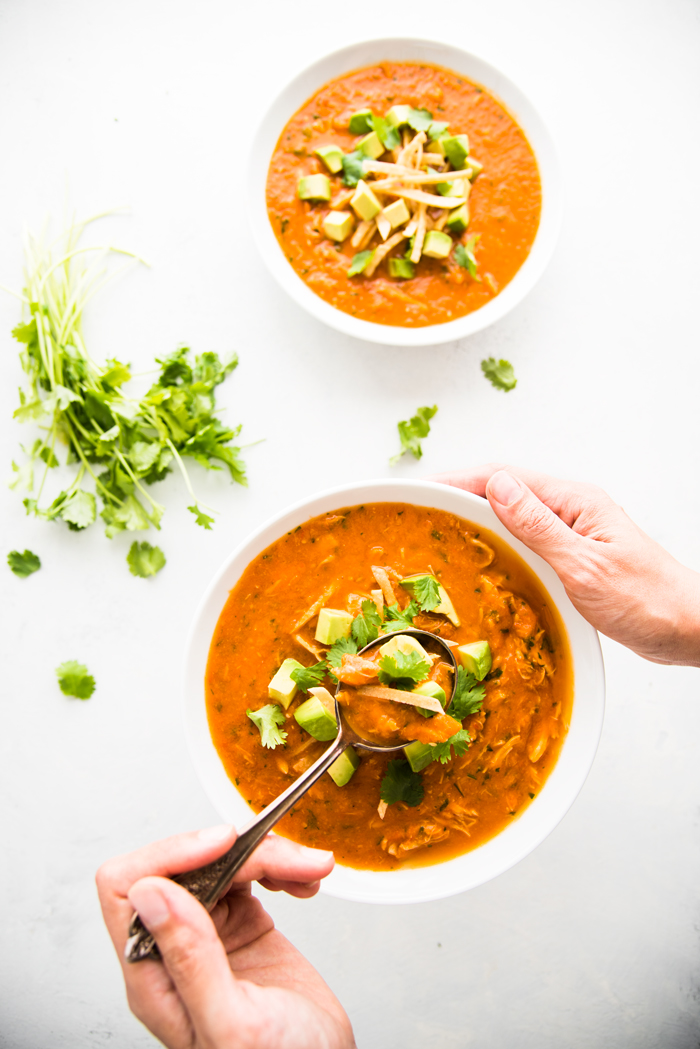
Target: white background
{"x": 593, "y": 940}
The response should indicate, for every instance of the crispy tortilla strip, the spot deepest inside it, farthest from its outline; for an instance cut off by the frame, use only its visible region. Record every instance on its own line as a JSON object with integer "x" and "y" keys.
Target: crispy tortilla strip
{"x": 315, "y": 608}
{"x": 341, "y": 200}
{"x": 381, "y": 809}
{"x": 317, "y": 653}
{"x": 379, "y": 254}
{"x": 422, "y": 177}
{"x": 420, "y": 235}
{"x": 431, "y": 200}
{"x": 326, "y": 698}
{"x": 360, "y": 231}
{"x": 396, "y": 695}
{"x": 383, "y": 225}
{"x": 434, "y": 158}
{"x": 440, "y": 223}
{"x": 408, "y": 153}
{"x": 384, "y": 584}
{"x": 378, "y": 598}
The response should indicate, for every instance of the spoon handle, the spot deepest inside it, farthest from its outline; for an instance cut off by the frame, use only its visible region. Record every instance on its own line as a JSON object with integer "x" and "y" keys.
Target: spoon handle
{"x": 208, "y": 884}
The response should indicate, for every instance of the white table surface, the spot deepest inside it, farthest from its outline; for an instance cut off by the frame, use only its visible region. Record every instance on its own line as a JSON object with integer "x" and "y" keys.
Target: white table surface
{"x": 591, "y": 941}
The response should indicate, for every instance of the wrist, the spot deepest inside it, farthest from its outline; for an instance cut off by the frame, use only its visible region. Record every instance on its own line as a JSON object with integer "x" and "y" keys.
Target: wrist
{"x": 681, "y": 627}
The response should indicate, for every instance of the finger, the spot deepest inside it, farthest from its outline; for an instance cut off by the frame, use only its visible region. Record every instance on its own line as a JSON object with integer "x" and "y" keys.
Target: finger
{"x": 474, "y": 479}
{"x": 300, "y": 890}
{"x": 284, "y": 862}
{"x": 192, "y": 953}
{"x": 531, "y": 521}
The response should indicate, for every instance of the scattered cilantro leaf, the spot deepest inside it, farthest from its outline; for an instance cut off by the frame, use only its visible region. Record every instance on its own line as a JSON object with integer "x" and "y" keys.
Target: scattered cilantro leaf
{"x": 399, "y": 619}
{"x": 459, "y": 741}
{"x": 437, "y": 128}
{"x": 267, "y": 720}
{"x": 419, "y": 119}
{"x": 388, "y": 135}
{"x": 401, "y": 783}
{"x": 202, "y": 519}
{"x": 467, "y": 697}
{"x": 426, "y": 591}
{"x": 74, "y": 680}
{"x": 499, "y": 373}
{"x": 23, "y": 564}
{"x": 353, "y": 168}
{"x": 366, "y": 626}
{"x": 360, "y": 262}
{"x": 145, "y": 560}
{"x": 338, "y": 650}
{"x": 464, "y": 255}
{"x": 412, "y": 431}
{"x": 403, "y": 670}
{"x": 310, "y": 677}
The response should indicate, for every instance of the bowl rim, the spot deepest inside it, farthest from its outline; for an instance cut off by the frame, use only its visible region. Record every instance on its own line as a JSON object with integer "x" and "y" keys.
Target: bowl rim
{"x": 355, "y": 56}
{"x": 518, "y": 839}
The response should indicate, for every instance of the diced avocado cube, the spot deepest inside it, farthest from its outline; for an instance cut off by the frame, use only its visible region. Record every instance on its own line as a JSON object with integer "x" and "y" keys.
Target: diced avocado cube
{"x": 338, "y": 225}
{"x": 332, "y": 157}
{"x": 403, "y": 643}
{"x": 316, "y": 720}
{"x": 446, "y": 608}
{"x": 437, "y": 129}
{"x": 474, "y": 168}
{"x": 457, "y": 188}
{"x": 361, "y": 122}
{"x": 419, "y": 755}
{"x": 397, "y": 213}
{"x": 314, "y": 187}
{"x": 371, "y": 146}
{"x": 332, "y": 625}
{"x": 398, "y": 116}
{"x": 438, "y": 144}
{"x": 401, "y": 268}
{"x": 282, "y": 688}
{"x": 476, "y": 658}
{"x": 458, "y": 220}
{"x": 433, "y": 690}
{"x": 456, "y": 149}
{"x": 437, "y": 245}
{"x": 344, "y": 768}
{"x": 364, "y": 203}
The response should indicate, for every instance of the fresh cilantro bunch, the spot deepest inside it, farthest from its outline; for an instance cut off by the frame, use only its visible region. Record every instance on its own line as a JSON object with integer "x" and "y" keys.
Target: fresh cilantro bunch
{"x": 25, "y": 564}
{"x": 412, "y": 431}
{"x": 267, "y": 720}
{"x": 403, "y": 670}
{"x": 122, "y": 444}
{"x": 467, "y": 697}
{"x": 401, "y": 783}
{"x": 499, "y": 373}
{"x": 74, "y": 680}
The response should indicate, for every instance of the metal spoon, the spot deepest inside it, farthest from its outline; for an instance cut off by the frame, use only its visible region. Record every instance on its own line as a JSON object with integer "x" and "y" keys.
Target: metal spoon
{"x": 209, "y": 883}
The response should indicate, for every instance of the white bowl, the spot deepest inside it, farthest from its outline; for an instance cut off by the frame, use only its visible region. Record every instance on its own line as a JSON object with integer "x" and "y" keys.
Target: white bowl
{"x": 520, "y": 837}
{"x": 405, "y": 50}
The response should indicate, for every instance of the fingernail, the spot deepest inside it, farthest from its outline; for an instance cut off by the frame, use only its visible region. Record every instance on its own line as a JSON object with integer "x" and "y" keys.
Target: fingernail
{"x": 220, "y": 833}
{"x": 504, "y": 488}
{"x": 151, "y": 905}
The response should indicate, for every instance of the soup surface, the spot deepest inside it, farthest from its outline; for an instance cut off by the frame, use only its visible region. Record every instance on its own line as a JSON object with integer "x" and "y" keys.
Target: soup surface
{"x": 504, "y": 202}
{"x": 515, "y": 736}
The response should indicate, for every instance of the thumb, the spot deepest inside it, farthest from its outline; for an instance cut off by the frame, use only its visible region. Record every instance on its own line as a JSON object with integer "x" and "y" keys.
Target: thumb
{"x": 191, "y": 950}
{"x": 531, "y": 520}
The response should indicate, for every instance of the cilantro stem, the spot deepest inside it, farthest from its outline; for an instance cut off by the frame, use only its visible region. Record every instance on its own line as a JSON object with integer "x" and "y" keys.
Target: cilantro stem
{"x": 186, "y": 476}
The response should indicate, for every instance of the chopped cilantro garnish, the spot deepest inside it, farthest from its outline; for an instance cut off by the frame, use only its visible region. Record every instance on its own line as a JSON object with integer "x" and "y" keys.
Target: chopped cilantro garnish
{"x": 437, "y": 128}
{"x": 419, "y": 119}
{"x": 360, "y": 262}
{"x": 388, "y": 135}
{"x": 403, "y": 670}
{"x": 499, "y": 373}
{"x": 267, "y": 720}
{"x": 442, "y": 751}
{"x": 23, "y": 564}
{"x": 366, "y": 626}
{"x": 401, "y": 783}
{"x": 338, "y": 650}
{"x": 74, "y": 680}
{"x": 310, "y": 677}
{"x": 467, "y": 697}
{"x": 145, "y": 560}
{"x": 353, "y": 168}
{"x": 426, "y": 591}
{"x": 464, "y": 255}
{"x": 412, "y": 431}
{"x": 202, "y": 519}
{"x": 396, "y": 618}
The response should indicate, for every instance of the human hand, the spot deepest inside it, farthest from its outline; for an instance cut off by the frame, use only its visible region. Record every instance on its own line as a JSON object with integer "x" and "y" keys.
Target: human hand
{"x": 227, "y": 980}
{"x": 626, "y": 585}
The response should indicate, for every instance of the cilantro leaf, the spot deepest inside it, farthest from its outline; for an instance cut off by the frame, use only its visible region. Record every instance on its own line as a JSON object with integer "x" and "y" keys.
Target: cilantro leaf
{"x": 145, "y": 560}
{"x": 499, "y": 373}
{"x": 79, "y": 510}
{"x": 464, "y": 255}
{"x": 338, "y": 649}
{"x": 310, "y": 677}
{"x": 401, "y": 783}
{"x": 442, "y": 751}
{"x": 437, "y": 128}
{"x": 467, "y": 697}
{"x": 399, "y": 619}
{"x": 426, "y": 591}
{"x": 267, "y": 720}
{"x": 353, "y": 168}
{"x": 419, "y": 119}
{"x": 202, "y": 519}
{"x": 366, "y": 626}
{"x": 411, "y": 432}
{"x": 23, "y": 564}
{"x": 360, "y": 262}
{"x": 403, "y": 670}
{"x": 388, "y": 135}
{"x": 74, "y": 680}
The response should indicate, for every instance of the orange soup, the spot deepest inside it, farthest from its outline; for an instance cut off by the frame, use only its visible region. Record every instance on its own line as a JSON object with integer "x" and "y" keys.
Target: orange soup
{"x": 346, "y": 578}
{"x": 404, "y": 253}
